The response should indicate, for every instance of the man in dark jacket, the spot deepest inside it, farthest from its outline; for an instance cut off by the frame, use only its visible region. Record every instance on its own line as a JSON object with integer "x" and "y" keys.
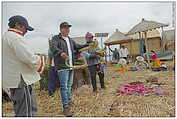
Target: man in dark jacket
{"x": 63, "y": 48}
{"x": 93, "y": 61}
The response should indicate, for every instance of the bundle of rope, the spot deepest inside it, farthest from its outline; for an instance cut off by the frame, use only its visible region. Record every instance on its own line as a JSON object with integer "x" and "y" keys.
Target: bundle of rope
{"x": 92, "y": 46}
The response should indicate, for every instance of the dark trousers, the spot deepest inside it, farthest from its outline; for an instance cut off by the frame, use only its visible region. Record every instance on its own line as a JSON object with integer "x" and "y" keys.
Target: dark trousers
{"x": 93, "y": 71}
{"x": 53, "y": 77}
{"x": 24, "y": 101}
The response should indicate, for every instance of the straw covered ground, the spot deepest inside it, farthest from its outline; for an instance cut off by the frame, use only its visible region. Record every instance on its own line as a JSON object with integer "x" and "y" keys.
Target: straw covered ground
{"x": 106, "y": 103}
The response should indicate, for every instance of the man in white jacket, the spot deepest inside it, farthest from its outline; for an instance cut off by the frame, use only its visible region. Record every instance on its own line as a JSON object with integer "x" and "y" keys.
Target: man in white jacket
{"x": 19, "y": 67}
{"x": 123, "y": 52}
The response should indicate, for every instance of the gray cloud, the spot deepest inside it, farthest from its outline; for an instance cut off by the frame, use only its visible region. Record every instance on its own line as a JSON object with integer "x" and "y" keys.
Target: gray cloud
{"x": 45, "y": 17}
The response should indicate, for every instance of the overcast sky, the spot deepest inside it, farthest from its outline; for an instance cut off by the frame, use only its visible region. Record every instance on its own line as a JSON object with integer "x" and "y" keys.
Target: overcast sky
{"x": 94, "y": 17}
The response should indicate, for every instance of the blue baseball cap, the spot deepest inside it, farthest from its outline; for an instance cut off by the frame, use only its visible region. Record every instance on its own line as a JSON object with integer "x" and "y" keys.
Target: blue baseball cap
{"x": 22, "y": 20}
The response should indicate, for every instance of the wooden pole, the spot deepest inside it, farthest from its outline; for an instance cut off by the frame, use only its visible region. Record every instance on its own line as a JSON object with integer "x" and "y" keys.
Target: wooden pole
{"x": 106, "y": 55}
{"x": 146, "y": 42}
{"x": 147, "y": 48}
{"x": 101, "y": 43}
{"x": 131, "y": 51}
{"x": 109, "y": 53}
{"x": 131, "y": 45}
{"x": 140, "y": 40}
{"x": 162, "y": 40}
{"x": 139, "y": 35}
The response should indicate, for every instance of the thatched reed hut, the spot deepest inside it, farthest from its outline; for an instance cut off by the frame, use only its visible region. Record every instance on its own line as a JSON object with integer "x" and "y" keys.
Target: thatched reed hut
{"x": 117, "y": 38}
{"x": 146, "y": 37}
{"x": 169, "y": 40}
{"x": 137, "y": 45}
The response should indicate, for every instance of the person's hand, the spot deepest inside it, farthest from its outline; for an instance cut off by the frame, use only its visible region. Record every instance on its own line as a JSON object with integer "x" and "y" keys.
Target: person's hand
{"x": 98, "y": 56}
{"x": 64, "y": 55}
{"x": 92, "y": 43}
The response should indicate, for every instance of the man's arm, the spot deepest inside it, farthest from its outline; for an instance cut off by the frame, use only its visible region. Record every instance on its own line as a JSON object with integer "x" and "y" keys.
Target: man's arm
{"x": 54, "y": 47}
{"x": 78, "y": 46}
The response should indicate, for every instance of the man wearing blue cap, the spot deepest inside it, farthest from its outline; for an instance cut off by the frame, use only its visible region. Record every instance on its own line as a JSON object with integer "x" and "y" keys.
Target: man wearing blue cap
{"x": 20, "y": 67}
{"x": 63, "y": 48}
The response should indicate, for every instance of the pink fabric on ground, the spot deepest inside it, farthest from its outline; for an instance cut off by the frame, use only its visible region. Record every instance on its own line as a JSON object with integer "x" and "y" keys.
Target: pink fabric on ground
{"x": 140, "y": 89}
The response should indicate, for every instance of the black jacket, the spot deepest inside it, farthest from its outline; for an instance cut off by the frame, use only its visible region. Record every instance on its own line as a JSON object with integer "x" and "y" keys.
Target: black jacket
{"x": 59, "y": 45}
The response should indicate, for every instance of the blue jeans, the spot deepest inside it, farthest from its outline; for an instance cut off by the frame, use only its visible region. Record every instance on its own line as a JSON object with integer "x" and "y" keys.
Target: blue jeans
{"x": 66, "y": 82}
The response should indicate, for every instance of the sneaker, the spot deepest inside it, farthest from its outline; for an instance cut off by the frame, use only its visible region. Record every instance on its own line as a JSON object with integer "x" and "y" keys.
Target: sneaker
{"x": 67, "y": 112}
